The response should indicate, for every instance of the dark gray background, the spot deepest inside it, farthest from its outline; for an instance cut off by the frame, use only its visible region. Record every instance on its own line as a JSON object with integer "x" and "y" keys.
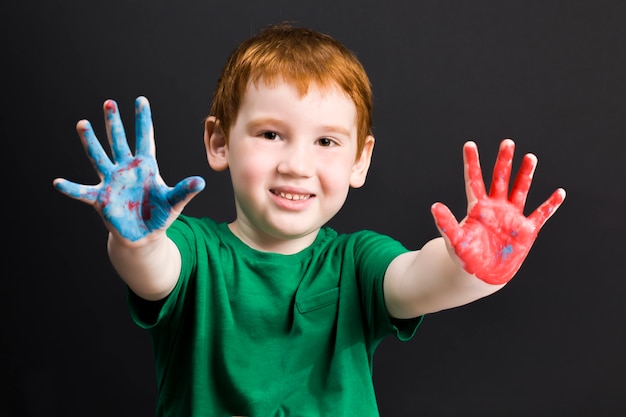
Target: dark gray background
{"x": 549, "y": 74}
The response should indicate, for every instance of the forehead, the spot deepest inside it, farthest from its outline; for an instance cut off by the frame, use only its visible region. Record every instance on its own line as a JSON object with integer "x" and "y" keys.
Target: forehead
{"x": 282, "y": 95}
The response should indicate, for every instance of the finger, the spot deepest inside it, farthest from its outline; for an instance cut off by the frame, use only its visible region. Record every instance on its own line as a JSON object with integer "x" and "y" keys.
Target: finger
{"x": 446, "y": 223}
{"x": 185, "y": 190}
{"x": 144, "y": 132}
{"x": 502, "y": 170}
{"x": 547, "y": 209}
{"x": 522, "y": 182}
{"x": 99, "y": 158}
{"x": 474, "y": 184}
{"x": 115, "y": 131}
{"x": 84, "y": 193}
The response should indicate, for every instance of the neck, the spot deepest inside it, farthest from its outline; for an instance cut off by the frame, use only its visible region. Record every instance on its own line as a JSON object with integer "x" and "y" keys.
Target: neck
{"x": 267, "y": 243}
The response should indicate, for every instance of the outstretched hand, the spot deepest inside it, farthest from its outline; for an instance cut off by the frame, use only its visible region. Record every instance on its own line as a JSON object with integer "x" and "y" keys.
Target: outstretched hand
{"x": 495, "y": 237}
{"x": 131, "y": 197}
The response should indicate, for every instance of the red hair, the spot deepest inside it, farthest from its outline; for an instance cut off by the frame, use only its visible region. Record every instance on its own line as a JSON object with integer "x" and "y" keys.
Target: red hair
{"x": 300, "y": 57}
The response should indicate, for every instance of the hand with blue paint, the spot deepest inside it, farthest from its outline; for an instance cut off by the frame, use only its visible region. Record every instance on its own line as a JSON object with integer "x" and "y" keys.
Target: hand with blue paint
{"x": 131, "y": 197}
{"x": 495, "y": 237}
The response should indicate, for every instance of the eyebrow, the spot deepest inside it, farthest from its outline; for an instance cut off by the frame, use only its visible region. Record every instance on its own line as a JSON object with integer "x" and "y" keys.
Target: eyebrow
{"x": 253, "y": 124}
{"x": 337, "y": 129}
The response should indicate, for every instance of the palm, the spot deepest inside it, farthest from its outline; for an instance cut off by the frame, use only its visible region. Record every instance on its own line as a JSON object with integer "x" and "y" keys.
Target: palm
{"x": 495, "y": 237}
{"x": 132, "y": 199}
{"x": 131, "y": 196}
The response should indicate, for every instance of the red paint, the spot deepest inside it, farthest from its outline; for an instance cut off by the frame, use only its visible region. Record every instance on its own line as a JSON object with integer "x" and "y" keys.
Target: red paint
{"x": 502, "y": 170}
{"x": 133, "y": 164}
{"x": 105, "y": 197}
{"x": 523, "y": 181}
{"x": 146, "y": 213}
{"x": 109, "y": 105}
{"x": 132, "y": 205}
{"x": 495, "y": 237}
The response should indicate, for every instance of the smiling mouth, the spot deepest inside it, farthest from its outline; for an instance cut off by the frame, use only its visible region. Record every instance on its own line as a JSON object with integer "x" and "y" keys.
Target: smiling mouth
{"x": 291, "y": 196}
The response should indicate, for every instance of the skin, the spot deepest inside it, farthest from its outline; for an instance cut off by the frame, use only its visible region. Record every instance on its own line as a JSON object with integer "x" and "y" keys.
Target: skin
{"x": 292, "y": 161}
{"x": 131, "y": 197}
{"x": 484, "y": 251}
{"x": 495, "y": 237}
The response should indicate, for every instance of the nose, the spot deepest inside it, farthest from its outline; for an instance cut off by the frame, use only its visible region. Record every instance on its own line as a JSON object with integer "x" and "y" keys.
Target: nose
{"x": 298, "y": 160}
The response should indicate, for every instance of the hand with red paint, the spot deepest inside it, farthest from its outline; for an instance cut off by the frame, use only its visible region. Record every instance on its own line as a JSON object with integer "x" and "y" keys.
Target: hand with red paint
{"x": 495, "y": 237}
{"x": 131, "y": 197}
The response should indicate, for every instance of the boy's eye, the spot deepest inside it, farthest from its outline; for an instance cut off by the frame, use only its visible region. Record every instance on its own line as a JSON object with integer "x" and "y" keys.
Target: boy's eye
{"x": 326, "y": 142}
{"x": 270, "y": 135}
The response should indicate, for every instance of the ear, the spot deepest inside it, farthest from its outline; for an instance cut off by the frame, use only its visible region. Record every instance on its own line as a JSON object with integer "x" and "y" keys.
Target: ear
{"x": 215, "y": 144}
{"x": 362, "y": 163}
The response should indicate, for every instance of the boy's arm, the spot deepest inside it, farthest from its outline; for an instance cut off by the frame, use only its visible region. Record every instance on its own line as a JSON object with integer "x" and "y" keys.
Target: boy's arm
{"x": 479, "y": 255}
{"x": 134, "y": 202}
{"x": 150, "y": 269}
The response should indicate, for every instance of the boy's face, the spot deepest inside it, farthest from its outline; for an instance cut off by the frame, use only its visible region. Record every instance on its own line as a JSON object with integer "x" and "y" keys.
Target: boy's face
{"x": 292, "y": 161}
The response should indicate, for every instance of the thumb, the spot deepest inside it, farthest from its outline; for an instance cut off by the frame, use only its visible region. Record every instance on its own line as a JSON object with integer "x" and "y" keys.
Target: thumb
{"x": 446, "y": 223}
{"x": 184, "y": 191}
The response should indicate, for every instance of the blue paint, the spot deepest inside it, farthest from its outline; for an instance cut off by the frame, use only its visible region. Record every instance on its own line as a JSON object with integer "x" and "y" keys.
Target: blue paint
{"x": 505, "y": 252}
{"x": 143, "y": 126}
{"x": 119, "y": 144}
{"x": 132, "y": 196}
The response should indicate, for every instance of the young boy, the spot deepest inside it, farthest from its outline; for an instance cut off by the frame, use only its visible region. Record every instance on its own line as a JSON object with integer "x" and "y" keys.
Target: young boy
{"x": 275, "y": 314}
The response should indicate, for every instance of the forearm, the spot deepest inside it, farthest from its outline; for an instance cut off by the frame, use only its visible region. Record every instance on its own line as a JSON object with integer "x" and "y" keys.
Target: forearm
{"x": 430, "y": 280}
{"x": 151, "y": 269}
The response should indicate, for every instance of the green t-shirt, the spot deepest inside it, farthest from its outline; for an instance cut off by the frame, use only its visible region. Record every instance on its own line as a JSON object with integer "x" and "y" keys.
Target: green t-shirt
{"x": 253, "y": 333}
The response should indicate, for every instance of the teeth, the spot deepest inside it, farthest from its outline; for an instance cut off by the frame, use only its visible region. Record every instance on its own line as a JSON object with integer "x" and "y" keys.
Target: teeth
{"x": 294, "y": 197}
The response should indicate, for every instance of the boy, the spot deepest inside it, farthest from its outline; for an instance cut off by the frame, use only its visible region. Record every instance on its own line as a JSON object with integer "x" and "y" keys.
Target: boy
{"x": 275, "y": 314}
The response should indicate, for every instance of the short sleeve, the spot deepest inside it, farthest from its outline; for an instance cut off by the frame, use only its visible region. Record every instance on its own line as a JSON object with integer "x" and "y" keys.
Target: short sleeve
{"x": 373, "y": 254}
{"x": 149, "y": 314}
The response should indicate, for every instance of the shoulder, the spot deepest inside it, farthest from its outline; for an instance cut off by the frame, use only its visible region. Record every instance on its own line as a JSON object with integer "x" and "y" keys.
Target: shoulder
{"x": 361, "y": 238}
{"x": 361, "y": 244}
{"x": 192, "y": 233}
{"x": 187, "y": 225}
{"x": 189, "y": 222}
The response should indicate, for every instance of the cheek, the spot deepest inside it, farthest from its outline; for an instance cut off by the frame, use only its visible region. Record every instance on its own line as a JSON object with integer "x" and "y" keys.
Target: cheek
{"x": 336, "y": 175}
{"x": 247, "y": 171}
